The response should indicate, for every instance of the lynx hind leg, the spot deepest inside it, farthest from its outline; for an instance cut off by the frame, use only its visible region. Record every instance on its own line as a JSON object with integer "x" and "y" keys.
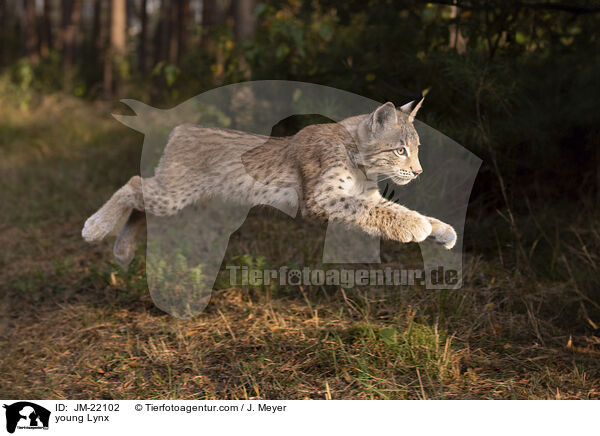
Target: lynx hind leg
{"x": 125, "y": 244}
{"x": 128, "y": 197}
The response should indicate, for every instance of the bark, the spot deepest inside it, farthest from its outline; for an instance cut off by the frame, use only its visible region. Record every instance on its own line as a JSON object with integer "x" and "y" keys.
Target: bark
{"x": 244, "y": 26}
{"x": 116, "y": 49}
{"x": 31, "y": 37}
{"x": 173, "y": 52}
{"x": 142, "y": 54}
{"x": 71, "y": 20}
{"x": 3, "y": 18}
{"x": 183, "y": 22}
{"x": 244, "y": 19}
{"x": 118, "y": 19}
{"x": 596, "y": 145}
{"x": 457, "y": 40}
{"x": 97, "y": 32}
{"x": 162, "y": 43}
{"x": 212, "y": 15}
{"x": 46, "y": 30}
{"x": 65, "y": 14}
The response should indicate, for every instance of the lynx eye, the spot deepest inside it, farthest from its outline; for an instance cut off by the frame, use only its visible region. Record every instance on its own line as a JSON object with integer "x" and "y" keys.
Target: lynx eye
{"x": 400, "y": 151}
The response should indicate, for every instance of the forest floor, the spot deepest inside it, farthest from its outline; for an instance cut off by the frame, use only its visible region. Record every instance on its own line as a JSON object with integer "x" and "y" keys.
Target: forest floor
{"x": 73, "y": 325}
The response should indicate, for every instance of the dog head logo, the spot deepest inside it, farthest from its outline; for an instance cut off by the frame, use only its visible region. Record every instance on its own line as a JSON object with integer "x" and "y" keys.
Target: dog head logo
{"x": 26, "y": 415}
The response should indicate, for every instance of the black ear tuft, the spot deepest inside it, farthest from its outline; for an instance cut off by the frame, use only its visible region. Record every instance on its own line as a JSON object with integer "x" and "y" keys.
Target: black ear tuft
{"x": 406, "y": 108}
{"x": 411, "y": 110}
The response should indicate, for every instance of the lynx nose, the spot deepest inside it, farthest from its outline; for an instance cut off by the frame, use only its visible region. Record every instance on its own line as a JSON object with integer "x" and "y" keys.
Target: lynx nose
{"x": 416, "y": 173}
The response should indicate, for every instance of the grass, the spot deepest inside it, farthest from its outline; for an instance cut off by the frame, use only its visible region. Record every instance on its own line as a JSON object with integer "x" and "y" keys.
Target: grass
{"x": 74, "y": 325}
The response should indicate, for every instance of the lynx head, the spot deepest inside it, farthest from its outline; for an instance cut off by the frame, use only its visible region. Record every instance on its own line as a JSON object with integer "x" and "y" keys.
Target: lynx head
{"x": 389, "y": 143}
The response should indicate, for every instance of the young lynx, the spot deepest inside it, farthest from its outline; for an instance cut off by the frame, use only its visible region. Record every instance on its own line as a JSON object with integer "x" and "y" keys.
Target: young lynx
{"x": 329, "y": 171}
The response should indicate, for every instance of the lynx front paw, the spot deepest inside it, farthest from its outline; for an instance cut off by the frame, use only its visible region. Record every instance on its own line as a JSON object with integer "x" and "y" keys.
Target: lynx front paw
{"x": 95, "y": 229}
{"x": 443, "y": 233}
{"x": 414, "y": 227}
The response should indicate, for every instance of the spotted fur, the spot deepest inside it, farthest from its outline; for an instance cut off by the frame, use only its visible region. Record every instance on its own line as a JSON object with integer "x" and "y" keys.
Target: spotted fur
{"x": 328, "y": 171}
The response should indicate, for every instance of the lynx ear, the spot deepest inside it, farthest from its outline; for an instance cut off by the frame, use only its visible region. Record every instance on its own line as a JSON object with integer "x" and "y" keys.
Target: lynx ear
{"x": 383, "y": 117}
{"x": 412, "y": 112}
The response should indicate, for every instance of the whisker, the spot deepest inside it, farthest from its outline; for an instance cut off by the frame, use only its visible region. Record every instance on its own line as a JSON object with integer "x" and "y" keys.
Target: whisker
{"x": 385, "y": 178}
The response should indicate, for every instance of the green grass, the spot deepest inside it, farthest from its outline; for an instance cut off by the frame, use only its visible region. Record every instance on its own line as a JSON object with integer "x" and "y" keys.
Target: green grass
{"x": 75, "y": 325}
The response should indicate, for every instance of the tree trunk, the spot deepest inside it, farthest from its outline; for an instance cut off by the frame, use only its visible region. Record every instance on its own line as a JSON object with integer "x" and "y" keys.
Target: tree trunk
{"x": 71, "y": 20}
{"x": 97, "y": 30}
{"x": 31, "y": 39}
{"x": 3, "y": 26}
{"x": 65, "y": 14}
{"x": 172, "y": 34}
{"x": 457, "y": 40}
{"x": 118, "y": 19}
{"x": 162, "y": 43}
{"x": 116, "y": 49}
{"x": 244, "y": 19}
{"x": 183, "y": 14}
{"x": 244, "y": 26}
{"x": 596, "y": 144}
{"x": 3, "y": 20}
{"x": 142, "y": 62}
{"x": 46, "y": 30}
{"x": 212, "y": 15}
